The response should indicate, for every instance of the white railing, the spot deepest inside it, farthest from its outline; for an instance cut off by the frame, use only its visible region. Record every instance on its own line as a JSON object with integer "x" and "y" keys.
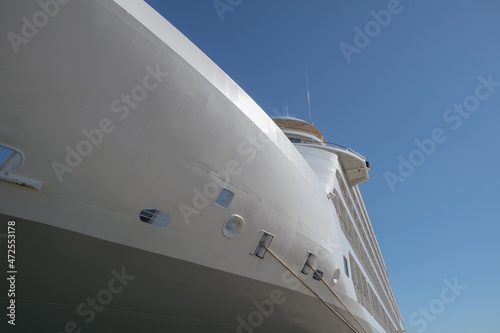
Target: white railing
{"x": 333, "y": 145}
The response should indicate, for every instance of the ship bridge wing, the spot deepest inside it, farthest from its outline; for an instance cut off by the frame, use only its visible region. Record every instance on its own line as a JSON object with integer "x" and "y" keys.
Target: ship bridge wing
{"x": 302, "y": 133}
{"x": 355, "y": 164}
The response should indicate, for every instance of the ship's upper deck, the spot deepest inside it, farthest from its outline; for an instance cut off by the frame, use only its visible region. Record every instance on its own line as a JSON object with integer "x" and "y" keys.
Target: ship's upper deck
{"x": 303, "y": 133}
{"x": 297, "y": 129}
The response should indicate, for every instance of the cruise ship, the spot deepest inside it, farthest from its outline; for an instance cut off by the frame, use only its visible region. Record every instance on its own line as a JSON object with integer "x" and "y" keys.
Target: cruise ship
{"x": 142, "y": 190}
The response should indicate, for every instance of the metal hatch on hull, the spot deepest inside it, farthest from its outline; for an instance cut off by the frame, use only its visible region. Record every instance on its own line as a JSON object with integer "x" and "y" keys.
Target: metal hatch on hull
{"x": 304, "y": 134}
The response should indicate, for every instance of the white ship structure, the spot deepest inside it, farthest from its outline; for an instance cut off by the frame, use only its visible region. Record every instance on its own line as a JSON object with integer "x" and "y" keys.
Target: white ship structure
{"x": 149, "y": 193}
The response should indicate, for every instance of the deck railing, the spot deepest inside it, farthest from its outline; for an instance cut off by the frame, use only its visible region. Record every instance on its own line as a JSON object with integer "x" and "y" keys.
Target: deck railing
{"x": 333, "y": 145}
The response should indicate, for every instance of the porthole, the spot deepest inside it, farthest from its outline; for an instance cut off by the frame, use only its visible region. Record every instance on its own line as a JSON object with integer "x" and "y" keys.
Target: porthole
{"x": 233, "y": 226}
{"x": 318, "y": 275}
{"x": 336, "y": 275}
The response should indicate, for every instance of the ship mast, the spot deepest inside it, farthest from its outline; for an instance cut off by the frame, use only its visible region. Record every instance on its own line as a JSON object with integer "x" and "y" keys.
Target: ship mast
{"x": 308, "y": 98}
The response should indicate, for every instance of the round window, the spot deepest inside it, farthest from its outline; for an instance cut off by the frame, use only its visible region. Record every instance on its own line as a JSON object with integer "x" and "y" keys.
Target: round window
{"x": 336, "y": 275}
{"x": 233, "y": 226}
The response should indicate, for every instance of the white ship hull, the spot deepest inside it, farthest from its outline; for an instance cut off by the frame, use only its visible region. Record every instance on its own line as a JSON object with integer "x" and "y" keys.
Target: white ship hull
{"x": 115, "y": 111}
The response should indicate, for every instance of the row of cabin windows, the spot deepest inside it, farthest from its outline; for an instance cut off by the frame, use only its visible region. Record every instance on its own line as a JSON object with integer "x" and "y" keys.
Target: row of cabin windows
{"x": 161, "y": 219}
{"x": 352, "y": 236}
{"x": 367, "y": 297}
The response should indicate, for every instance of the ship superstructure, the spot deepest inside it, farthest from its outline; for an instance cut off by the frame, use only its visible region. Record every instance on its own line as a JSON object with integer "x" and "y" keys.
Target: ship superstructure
{"x": 341, "y": 169}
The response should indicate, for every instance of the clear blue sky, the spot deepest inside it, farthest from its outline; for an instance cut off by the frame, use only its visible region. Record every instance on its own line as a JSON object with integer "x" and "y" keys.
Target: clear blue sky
{"x": 442, "y": 222}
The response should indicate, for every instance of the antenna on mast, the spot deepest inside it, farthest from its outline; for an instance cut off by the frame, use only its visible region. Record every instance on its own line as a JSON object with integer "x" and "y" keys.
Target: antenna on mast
{"x": 287, "y": 109}
{"x": 308, "y": 98}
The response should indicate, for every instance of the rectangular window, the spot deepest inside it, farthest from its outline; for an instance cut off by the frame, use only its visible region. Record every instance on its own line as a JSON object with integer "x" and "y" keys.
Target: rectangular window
{"x": 10, "y": 160}
{"x": 346, "y": 267}
{"x": 224, "y": 198}
{"x": 154, "y": 217}
{"x": 4, "y": 152}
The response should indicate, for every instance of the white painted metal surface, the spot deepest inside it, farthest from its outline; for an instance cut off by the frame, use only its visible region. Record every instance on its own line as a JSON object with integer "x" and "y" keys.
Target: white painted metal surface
{"x": 115, "y": 111}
